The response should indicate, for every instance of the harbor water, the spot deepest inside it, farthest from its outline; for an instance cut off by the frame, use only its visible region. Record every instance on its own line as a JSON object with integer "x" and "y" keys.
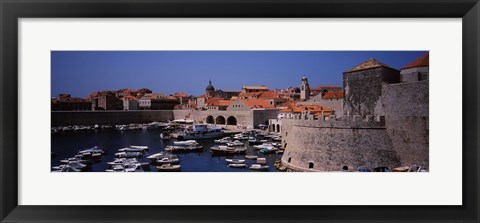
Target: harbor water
{"x": 68, "y": 144}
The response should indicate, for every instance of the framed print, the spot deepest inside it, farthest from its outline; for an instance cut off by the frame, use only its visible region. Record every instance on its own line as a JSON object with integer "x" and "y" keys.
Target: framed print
{"x": 239, "y": 111}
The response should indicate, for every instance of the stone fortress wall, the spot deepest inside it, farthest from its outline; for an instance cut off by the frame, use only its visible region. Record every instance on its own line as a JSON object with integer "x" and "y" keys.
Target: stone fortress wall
{"x": 330, "y": 143}
{"x": 247, "y": 118}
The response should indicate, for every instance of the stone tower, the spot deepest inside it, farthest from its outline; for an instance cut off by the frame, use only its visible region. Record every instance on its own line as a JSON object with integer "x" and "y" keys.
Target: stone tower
{"x": 210, "y": 90}
{"x": 304, "y": 89}
{"x": 362, "y": 87}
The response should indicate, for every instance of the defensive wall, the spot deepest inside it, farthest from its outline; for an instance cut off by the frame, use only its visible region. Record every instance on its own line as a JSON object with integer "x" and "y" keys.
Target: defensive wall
{"x": 65, "y": 118}
{"x": 330, "y": 143}
{"x": 406, "y": 110}
{"x": 248, "y": 118}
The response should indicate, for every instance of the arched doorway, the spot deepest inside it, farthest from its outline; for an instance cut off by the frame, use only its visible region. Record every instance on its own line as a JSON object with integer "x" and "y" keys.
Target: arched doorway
{"x": 210, "y": 119}
{"x": 273, "y": 128}
{"x": 278, "y": 127}
{"x": 220, "y": 120}
{"x": 231, "y": 120}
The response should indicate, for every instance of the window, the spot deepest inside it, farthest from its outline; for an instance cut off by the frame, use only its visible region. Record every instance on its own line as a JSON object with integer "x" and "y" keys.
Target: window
{"x": 289, "y": 159}
{"x": 310, "y": 165}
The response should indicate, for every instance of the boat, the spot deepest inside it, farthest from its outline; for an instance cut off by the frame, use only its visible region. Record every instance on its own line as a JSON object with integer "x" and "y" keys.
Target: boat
{"x": 240, "y": 136}
{"x": 156, "y": 156}
{"x": 186, "y": 143}
{"x": 90, "y": 151}
{"x": 280, "y": 151}
{"x": 277, "y": 138}
{"x": 237, "y": 165}
{"x": 276, "y": 144}
{"x": 268, "y": 150}
{"x": 168, "y": 167}
{"x": 235, "y": 143}
{"x": 261, "y": 160}
{"x": 227, "y": 150}
{"x": 128, "y": 154}
{"x": 237, "y": 161}
{"x": 201, "y": 131}
{"x": 251, "y": 157}
{"x": 258, "y": 167}
{"x": 223, "y": 140}
{"x": 180, "y": 149}
{"x": 167, "y": 159}
{"x": 140, "y": 149}
{"x": 253, "y": 141}
{"x": 264, "y": 145}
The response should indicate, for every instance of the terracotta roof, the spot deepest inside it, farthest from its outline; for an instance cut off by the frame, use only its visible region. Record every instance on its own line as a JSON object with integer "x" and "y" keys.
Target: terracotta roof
{"x": 250, "y": 94}
{"x": 268, "y": 95}
{"x": 256, "y": 103}
{"x": 369, "y": 64}
{"x": 314, "y": 109}
{"x": 212, "y": 101}
{"x": 423, "y": 61}
{"x": 325, "y": 87}
{"x": 129, "y": 98}
{"x": 180, "y": 95}
{"x": 333, "y": 95}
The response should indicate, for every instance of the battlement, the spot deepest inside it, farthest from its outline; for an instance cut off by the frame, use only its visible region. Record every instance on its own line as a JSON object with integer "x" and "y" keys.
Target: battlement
{"x": 333, "y": 121}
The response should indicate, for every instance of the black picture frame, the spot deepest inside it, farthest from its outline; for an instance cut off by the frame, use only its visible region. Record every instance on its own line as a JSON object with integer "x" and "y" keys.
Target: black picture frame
{"x": 11, "y": 11}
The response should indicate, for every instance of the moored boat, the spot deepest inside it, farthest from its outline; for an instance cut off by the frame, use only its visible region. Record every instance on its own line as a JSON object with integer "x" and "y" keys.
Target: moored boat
{"x": 168, "y": 168}
{"x": 227, "y": 150}
{"x": 235, "y": 143}
{"x": 179, "y": 149}
{"x": 258, "y": 167}
{"x": 237, "y": 165}
{"x": 251, "y": 157}
{"x": 235, "y": 161}
{"x": 201, "y": 131}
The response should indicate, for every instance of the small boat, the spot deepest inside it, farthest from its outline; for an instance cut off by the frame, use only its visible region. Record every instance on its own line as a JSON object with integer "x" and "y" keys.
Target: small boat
{"x": 185, "y": 143}
{"x": 251, "y": 157}
{"x": 227, "y": 150}
{"x": 235, "y": 143}
{"x": 277, "y": 138}
{"x": 128, "y": 154}
{"x": 401, "y": 169}
{"x": 280, "y": 151}
{"x": 237, "y": 161}
{"x": 268, "y": 150}
{"x": 156, "y": 156}
{"x": 167, "y": 159}
{"x": 168, "y": 168}
{"x": 132, "y": 149}
{"x": 223, "y": 140}
{"x": 264, "y": 145}
{"x": 253, "y": 141}
{"x": 180, "y": 149}
{"x": 276, "y": 144}
{"x": 258, "y": 167}
{"x": 237, "y": 165}
{"x": 261, "y": 160}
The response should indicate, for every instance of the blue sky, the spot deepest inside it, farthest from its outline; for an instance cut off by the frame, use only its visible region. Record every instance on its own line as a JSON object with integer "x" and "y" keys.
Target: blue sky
{"x": 81, "y": 72}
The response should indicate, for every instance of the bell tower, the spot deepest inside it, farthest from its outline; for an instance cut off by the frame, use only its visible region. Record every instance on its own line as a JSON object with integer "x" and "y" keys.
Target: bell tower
{"x": 304, "y": 89}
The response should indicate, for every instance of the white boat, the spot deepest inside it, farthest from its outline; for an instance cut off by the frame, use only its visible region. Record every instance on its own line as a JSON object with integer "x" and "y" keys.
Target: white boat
{"x": 251, "y": 157}
{"x": 186, "y": 143}
{"x": 237, "y": 165}
{"x": 270, "y": 149}
{"x": 179, "y": 149}
{"x": 235, "y": 161}
{"x": 235, "y": 143}
{"x": 258, "y": 167}
{"x": 276, "y": 144}
{"x": 156, "y": 156}
{"x": 277, "y": 138}
{"x": 91, "y": 151}
{"x": 223, "y": 140}
{"x": 141, "y": 149}
{"x": 167, "y": 159}
{"x": 264, "y": 145}
{"x": 128, "y": 154}
{"x": 201, "y": 131}
{"x": 168, "y": 167}
{"x": 240, "y": 136}
{"x": 227, "y": 150}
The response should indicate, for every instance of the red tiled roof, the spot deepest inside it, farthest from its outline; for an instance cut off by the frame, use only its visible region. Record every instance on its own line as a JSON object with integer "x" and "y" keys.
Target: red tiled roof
{"x": 423, "y": 61}
{"x": 325, "y": 87}
{"x": 333, "y": 95}
{"x": 256, "y": 87}
{"x": 251, "y": 94}
{"x": 256, "y": 103}
{"x": 211, "y": 101}
{"x": 180, "y": 95}
{"x": 369, "y": 64}
{"x": 268, "y": 95}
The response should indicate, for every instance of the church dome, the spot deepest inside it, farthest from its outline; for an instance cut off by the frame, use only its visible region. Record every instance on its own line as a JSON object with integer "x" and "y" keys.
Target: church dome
{"x": 210, "y": 86}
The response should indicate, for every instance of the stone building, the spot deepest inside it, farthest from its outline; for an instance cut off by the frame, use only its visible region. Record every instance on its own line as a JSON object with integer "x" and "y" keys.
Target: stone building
{"x": 157, "y": 102}
{"x": 384, "y": 124}
{"x": 65, "y": 102}
{"x": 304, "y": 89}
{"x": 362, "y": 86}
{"x": 130, "y": 103}
{"x": 248, "y": 104}
{"x": 250, "y": 89}
{"x": 417, "y": 70}
{"x": 106, "y": 100}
